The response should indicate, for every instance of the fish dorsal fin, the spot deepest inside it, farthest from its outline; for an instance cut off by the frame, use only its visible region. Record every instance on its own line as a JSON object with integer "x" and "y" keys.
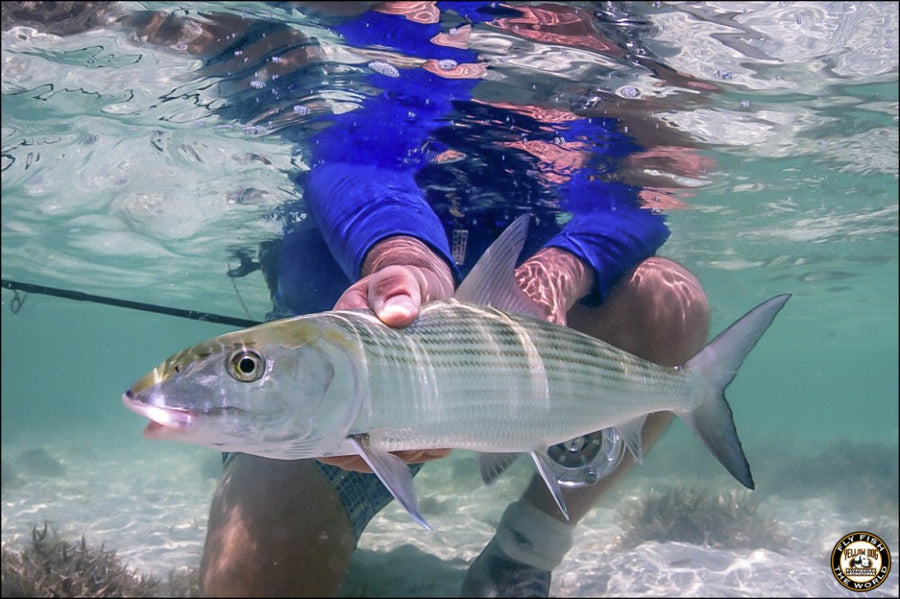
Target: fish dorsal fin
{"x": 492, "y": 281}
{"x": 393, "y": 473}
{"x": 545, "y": 469}
{"x": 492, "y": 465}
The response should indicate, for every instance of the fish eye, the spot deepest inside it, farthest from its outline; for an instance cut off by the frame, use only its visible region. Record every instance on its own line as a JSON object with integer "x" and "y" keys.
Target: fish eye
{"x": 246, "y": 365}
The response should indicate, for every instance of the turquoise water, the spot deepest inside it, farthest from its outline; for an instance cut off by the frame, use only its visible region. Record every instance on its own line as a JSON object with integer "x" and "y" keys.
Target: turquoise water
{"x": 109, "y": 190}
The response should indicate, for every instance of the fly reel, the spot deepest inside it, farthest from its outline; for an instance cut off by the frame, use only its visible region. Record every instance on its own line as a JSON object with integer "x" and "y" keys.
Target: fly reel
{"x": 584, "y": 460}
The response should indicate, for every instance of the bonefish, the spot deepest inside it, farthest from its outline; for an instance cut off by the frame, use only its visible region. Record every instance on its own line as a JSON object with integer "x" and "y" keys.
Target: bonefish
{"x": 480, "y": 372}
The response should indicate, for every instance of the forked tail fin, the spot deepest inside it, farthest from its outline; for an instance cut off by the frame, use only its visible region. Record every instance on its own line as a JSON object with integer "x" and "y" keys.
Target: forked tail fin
{"x": 717, "y": 363}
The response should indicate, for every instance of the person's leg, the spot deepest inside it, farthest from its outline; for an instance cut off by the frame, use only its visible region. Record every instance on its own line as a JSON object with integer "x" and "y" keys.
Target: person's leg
{"x": 658, "y": 312}
{"x": 276, "y": 528}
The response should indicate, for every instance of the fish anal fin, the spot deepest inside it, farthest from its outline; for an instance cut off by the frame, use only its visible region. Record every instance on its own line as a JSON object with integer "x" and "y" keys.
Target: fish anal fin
{"x": 631, "y": 436}
{"x": 542, "y": 463}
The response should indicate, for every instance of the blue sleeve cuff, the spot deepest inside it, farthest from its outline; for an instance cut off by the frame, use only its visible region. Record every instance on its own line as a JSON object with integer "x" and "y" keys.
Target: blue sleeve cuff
{"x": 357, "y": 205}
{"x": 612, "y": 243}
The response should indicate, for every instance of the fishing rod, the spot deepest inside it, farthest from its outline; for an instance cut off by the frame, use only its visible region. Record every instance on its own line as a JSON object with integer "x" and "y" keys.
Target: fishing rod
{"x": 111, "y": 301}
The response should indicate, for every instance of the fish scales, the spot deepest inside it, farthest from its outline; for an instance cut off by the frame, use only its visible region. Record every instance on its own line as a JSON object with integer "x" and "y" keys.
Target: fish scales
{"x": 473, "y": 377}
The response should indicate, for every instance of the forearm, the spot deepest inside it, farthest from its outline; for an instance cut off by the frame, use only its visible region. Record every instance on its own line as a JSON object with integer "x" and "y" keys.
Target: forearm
{"x": 555, "y": 279}
{"x": 611, "y": 243}
{"x": 403, "y": 250}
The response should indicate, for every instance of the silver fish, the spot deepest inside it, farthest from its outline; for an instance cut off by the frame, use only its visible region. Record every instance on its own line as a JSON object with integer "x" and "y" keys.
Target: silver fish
{"x": 481, "y": 372}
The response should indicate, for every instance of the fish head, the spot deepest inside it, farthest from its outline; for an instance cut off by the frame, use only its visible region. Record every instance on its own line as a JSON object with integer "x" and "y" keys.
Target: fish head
{"x": 285, "y": 389}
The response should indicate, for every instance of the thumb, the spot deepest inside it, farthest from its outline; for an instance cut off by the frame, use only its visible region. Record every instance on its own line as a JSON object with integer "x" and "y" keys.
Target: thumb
{"x": 395, "y": 295}
{"x": 398, "y": 310}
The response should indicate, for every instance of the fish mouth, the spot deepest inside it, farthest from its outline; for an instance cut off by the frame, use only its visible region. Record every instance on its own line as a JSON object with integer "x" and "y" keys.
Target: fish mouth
{"x": 163, "y": 419}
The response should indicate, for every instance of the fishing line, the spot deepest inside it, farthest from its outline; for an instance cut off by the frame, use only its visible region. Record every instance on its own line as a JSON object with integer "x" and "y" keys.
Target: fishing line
{"x": 18, "y": 300}
{"x": 237, "y": 292}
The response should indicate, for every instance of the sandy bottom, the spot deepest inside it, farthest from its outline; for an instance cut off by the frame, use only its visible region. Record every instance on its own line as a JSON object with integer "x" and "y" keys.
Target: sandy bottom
{"x": 149, "y": 501}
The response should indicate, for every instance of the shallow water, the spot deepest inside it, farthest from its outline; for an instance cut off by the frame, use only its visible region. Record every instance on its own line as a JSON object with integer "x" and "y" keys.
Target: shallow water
{"x": 123, "y": 175}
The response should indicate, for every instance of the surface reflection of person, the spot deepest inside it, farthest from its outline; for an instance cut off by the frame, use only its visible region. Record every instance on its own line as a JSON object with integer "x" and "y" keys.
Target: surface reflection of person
{"x": 290, "y": 527}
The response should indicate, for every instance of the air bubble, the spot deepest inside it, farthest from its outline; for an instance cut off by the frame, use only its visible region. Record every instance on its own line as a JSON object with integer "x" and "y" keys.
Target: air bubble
{"x": 384, "y": 68}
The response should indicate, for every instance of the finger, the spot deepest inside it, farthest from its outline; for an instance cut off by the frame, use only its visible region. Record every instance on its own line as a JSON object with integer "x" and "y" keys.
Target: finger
{"x": 422, "y": 455}
{"x": 398, "y": 311}
{"x": 355, "y": 297}
{"x": 355, "y": 463}
{"x": 395, "y": 295}
{"x": 352, "y": 463}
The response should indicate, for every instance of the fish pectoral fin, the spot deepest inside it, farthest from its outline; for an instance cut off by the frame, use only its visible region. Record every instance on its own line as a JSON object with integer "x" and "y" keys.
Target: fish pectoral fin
{"x": 393, "y": 473}
{"x": 542, "y": 463}
{"x": 631, "y": 435}
{"x": 492, "y": 465}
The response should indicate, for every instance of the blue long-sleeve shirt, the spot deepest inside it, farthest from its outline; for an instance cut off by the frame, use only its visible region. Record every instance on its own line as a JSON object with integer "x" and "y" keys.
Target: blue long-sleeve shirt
{"x": 362, "y": 186}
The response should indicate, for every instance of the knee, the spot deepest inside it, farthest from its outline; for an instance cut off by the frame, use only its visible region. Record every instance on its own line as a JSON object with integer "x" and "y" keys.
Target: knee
{"x": 277, "y": 528}
{"x": 675, "y": 293}
{"x": 671, "y": 308}
{"x": 658, "y": 311}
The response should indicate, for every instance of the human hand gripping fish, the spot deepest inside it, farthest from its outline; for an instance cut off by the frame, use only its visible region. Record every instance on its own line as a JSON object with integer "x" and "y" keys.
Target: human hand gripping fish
{"x": 484, "y": 371}
{"x": 399, "y": 274}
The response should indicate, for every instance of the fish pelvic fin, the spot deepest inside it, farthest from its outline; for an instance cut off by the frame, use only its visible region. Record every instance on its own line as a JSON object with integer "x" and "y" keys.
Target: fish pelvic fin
{"x": 492, "y": 465}
{"x": 393, "y": 473}
{"x": 718, "y": 363}
{"x": 492, "y": 281}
